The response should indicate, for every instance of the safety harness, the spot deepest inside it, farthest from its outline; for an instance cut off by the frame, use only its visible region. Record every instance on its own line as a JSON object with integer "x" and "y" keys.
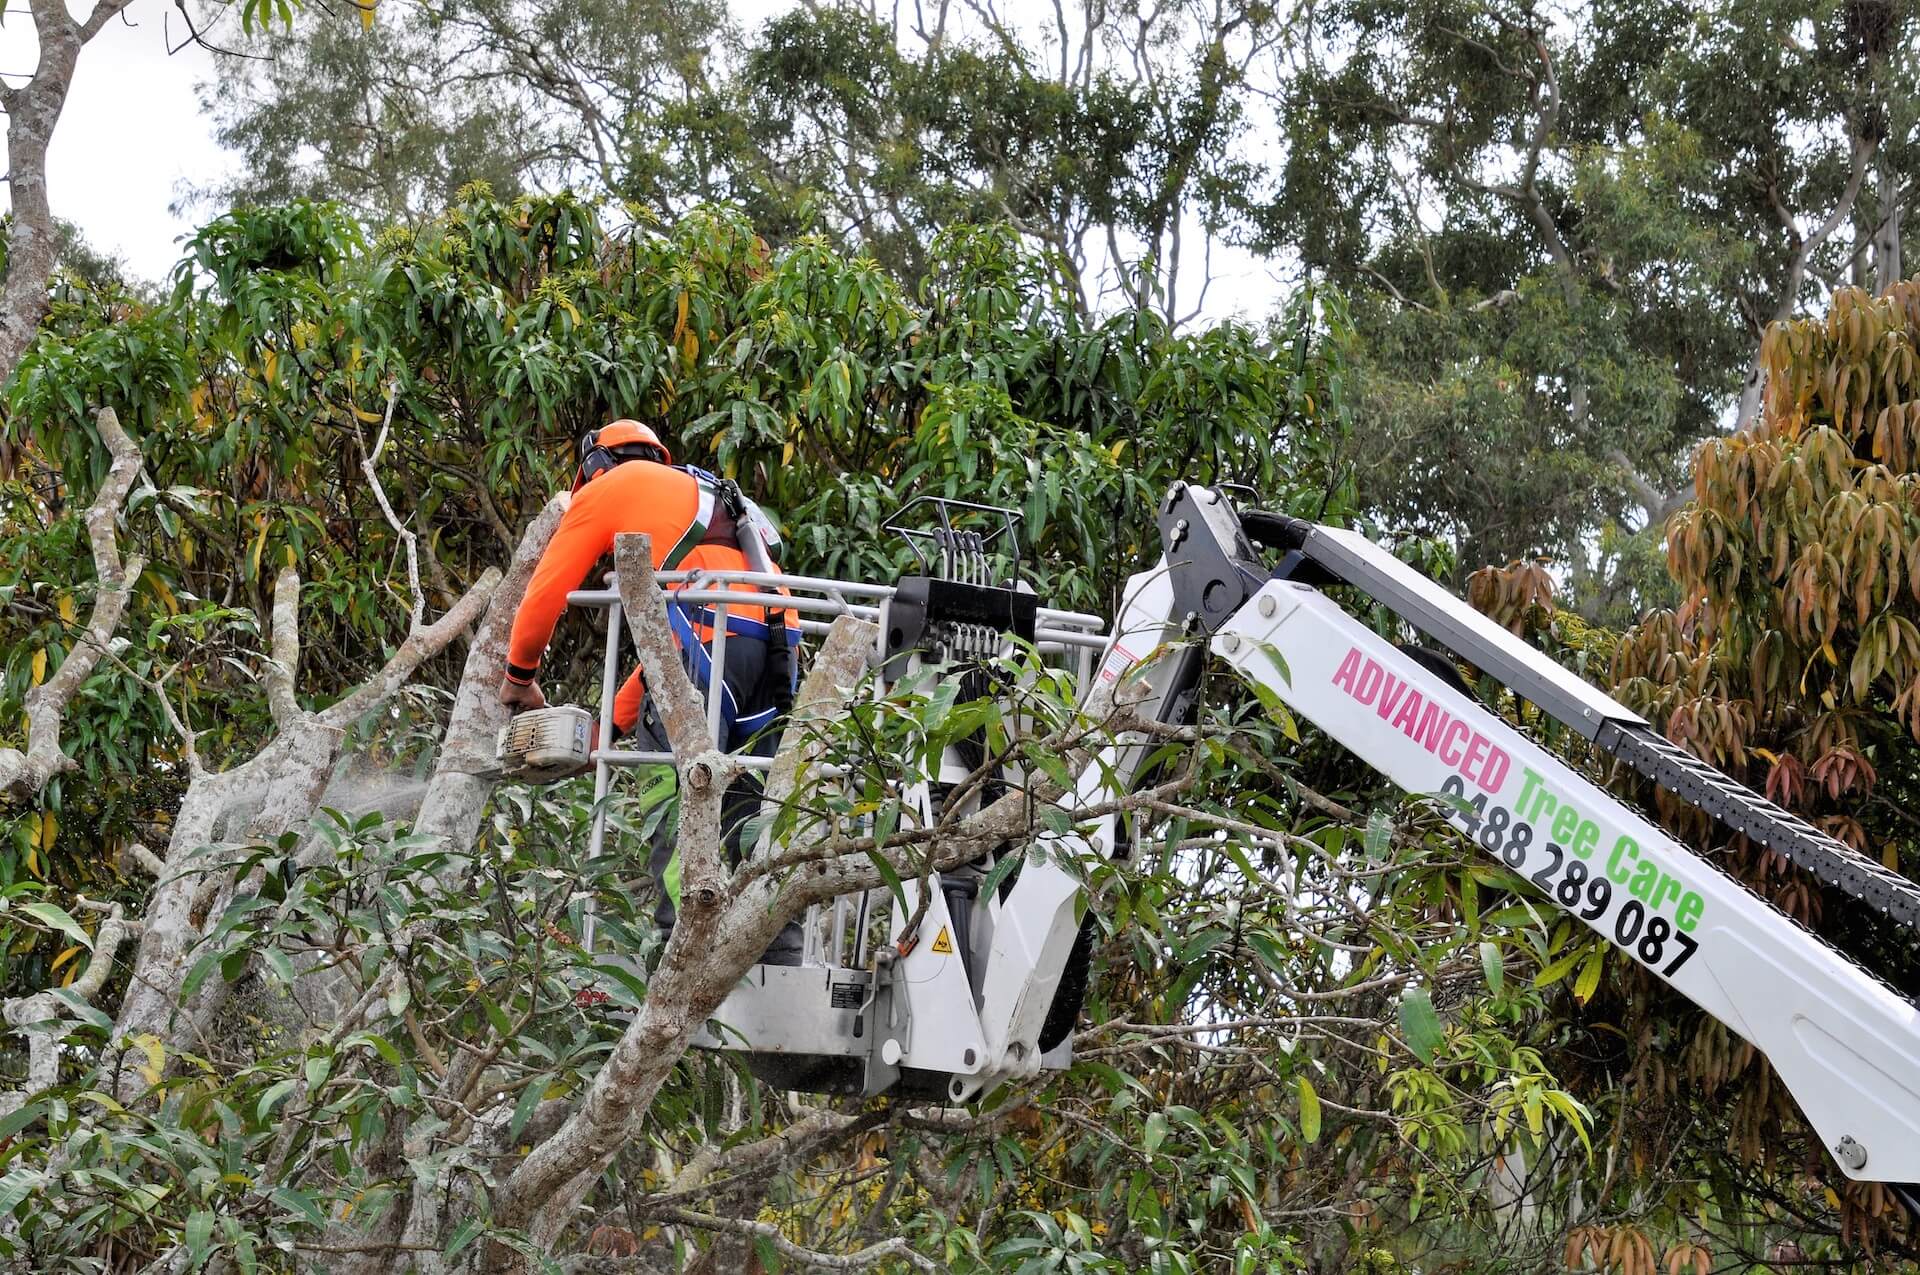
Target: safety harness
{"x": 721, "y": 509}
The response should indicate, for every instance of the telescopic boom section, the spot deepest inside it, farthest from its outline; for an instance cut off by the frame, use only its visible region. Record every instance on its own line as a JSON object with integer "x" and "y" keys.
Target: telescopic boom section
{"x": 1846, "y": 1045}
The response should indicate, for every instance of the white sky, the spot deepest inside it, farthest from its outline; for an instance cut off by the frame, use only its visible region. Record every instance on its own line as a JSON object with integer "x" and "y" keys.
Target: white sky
{"x": 132, "y": 136}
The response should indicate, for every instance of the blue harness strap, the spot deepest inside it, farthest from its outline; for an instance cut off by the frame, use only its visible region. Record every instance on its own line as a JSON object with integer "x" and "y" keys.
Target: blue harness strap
{"x": 736, "y": 728}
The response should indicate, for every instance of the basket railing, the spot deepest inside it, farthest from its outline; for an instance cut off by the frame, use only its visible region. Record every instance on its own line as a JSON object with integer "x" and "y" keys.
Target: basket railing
{"x": 837, "y": 933}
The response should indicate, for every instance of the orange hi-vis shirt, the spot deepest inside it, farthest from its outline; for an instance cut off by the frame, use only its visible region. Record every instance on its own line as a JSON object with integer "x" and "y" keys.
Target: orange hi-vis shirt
{"x": 664, "y": 503}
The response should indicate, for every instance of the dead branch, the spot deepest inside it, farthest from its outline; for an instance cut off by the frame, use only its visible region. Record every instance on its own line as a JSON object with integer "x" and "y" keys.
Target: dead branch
{"x": 407, "y": 537}
{"x": 23, "y": 775}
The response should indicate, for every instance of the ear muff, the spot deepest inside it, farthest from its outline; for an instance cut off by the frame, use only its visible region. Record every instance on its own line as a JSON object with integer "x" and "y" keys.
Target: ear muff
{"x": 594, "y": 460}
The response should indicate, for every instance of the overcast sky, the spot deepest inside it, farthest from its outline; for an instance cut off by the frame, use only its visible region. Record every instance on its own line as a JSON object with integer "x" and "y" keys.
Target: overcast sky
{"x": 132, "y": 137}
{"x": 130, "y": 134}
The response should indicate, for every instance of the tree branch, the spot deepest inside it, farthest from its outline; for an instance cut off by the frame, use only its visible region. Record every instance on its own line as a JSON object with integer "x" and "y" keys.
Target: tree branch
{"x": 860, "y": 1260}
{"x": 407, "y": 537}
{"x": 284, "y": 663}
{"x": 420, "y": 646}
{"x": 23, "y": 775}
{"x": 645, "y": 607}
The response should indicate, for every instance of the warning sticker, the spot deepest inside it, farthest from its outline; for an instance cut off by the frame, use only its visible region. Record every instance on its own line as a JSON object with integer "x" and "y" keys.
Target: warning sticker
{"x": 942, "y": 943}
{"x": 1118, "y": 661}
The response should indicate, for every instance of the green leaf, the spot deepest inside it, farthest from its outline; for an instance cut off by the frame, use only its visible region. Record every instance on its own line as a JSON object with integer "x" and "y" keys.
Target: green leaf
{"x": 1001, "y": 870}
{"x": 1156, "y": 1132}
{"x": 464, "y": 1234}
{"x": 300, "y": 1202}
{"x": 1589, "y": 980}
{"x": 198, "y": 1236}
{"x": 1495, "y": 968}
{"x": 57, "y": 917}
{"x": 318, "y": 1068}
{"x": 14, "y": 1122}
{"x": 1309, "y": 1109}
{"x": 271, "y": 1097}
{"x": 17, "y": 1186}
{"x": 1554, "y": 972}
{"x": 1379, "y": 834}
{"x": 523, "y": 1109}
{"x": 1420, "y": 1024}
{"x": 894, "y": 884}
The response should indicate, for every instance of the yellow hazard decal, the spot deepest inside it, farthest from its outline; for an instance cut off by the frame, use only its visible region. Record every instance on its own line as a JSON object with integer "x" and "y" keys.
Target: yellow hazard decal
{"x": 943, "y": 944}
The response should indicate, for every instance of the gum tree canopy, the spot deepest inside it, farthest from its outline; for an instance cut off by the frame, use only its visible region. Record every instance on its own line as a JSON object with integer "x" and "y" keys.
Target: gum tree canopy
{"x": 292, "y": 986}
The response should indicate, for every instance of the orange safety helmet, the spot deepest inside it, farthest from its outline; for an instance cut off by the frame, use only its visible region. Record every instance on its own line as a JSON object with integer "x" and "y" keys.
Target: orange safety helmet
{"x": 622, "y": 440}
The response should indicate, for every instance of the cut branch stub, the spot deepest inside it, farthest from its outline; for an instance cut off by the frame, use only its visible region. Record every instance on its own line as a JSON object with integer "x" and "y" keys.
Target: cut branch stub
{"x": 645, "y": 607}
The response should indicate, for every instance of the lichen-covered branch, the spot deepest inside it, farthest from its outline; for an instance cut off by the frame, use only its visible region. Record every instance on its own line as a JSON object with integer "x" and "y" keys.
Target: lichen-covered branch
{"x": 23, "y": 775}
{"x": 28, "y": 1015}
{"x": 283, "y": 664}
{"x": 645, "y": 606}
{"x": 419, "y": 646}
{"x": 704, "y": 771}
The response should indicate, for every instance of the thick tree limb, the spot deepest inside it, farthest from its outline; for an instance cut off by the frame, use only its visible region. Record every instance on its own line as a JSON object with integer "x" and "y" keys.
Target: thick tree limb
{"x": 23, "y": 775}
{"x": 739, "y": 1167}
{"x": 843, "y": 659}
{"x": 457, "y": 793}
{"x": 416, "y": 649}
{"x": 283, "y": 666}
{"x": 645, "y": 606}
{"x": 717, "y": 936}
{"x": 704, "y": 771}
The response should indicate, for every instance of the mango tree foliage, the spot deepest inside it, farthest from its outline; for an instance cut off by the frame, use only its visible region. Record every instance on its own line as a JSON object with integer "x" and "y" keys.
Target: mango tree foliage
{"x": 1790, "y": 663}
{"x": 504, "y": 330}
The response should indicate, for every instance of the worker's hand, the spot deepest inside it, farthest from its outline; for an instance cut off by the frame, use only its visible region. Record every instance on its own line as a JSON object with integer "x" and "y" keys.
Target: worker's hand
{"x": 520, "y": 697}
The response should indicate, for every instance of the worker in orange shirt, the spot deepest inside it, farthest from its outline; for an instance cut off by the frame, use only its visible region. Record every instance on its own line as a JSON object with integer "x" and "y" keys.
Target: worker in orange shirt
{"x": 627, "y": 482}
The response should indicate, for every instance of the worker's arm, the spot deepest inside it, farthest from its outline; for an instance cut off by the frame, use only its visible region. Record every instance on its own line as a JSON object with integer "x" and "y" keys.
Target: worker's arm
{"x": 581, "y": 539}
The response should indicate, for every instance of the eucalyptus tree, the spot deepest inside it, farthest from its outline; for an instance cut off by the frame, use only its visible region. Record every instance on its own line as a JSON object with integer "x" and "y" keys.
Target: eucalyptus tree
{"x": 1565, "y": 228}
{"x": 1120, "y": 143}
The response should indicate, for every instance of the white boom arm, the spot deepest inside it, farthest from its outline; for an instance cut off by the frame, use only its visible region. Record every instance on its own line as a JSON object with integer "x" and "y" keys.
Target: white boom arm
{"x": 1846, "y": 1045}
{"x": 956, "y": 1016}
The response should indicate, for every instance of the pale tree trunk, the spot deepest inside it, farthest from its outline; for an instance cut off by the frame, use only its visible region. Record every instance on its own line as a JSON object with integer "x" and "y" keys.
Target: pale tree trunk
{"x": 1804, "y": 246}
{"x": 33, "y": 109}
{"x": 1887, "y": 267}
